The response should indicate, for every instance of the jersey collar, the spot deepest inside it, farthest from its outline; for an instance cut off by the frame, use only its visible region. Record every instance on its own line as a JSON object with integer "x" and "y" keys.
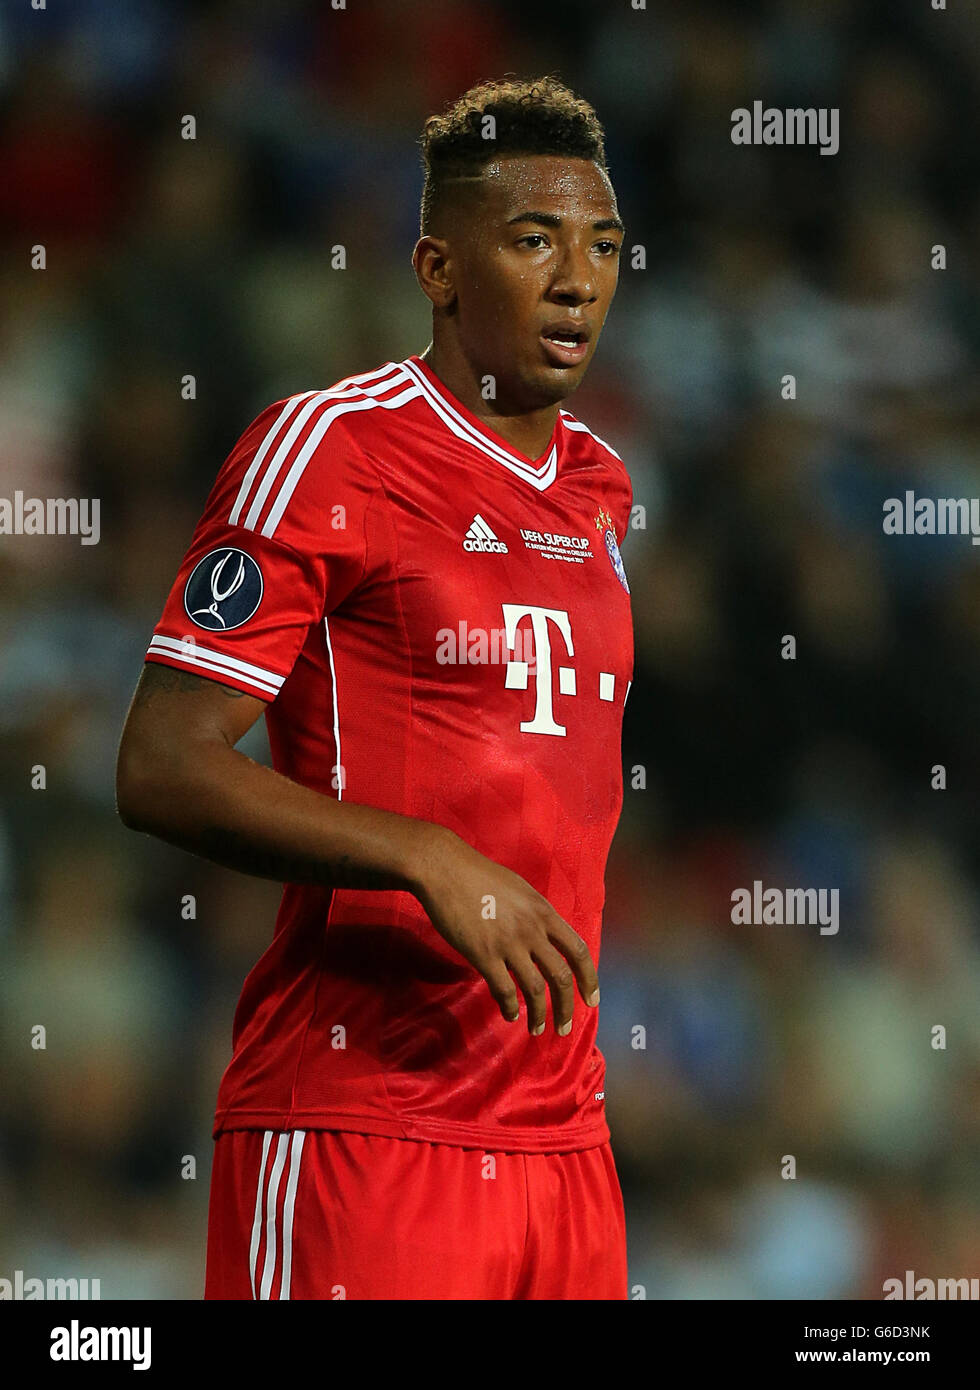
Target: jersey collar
{"x": 540, "y": 473}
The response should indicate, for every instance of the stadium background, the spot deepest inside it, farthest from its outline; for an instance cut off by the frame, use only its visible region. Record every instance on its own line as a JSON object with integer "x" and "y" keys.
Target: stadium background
{"x": 211, "y": 257}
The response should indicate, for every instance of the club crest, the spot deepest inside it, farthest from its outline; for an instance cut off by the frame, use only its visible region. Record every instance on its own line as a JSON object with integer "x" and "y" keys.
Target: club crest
{"x": 604, "y": 523}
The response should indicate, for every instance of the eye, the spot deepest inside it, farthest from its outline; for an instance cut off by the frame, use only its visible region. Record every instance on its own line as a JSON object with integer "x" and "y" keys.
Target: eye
{"x": 533, "y": 236}
{"x": 608, "y": 248}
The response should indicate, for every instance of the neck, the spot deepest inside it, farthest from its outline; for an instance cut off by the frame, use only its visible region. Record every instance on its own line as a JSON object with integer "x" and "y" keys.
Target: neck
{"x": 528, "y": 431}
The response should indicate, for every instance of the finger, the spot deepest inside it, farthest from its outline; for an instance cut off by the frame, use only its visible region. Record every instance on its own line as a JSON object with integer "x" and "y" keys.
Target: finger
{"x": 534, "y": 989}
{"x": 561, "y": 981}
{"x": 577, "y": 953}
{"x": 504, "y": 991}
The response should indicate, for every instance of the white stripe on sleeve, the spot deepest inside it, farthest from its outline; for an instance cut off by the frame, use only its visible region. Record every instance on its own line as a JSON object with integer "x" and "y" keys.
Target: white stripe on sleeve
{"x": 205, "y": 658}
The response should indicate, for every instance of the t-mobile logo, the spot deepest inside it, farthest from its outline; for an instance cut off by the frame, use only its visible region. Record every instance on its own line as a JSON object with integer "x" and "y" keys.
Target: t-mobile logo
{"x": 517, "y": 671}
{"x": 539, "y": 649}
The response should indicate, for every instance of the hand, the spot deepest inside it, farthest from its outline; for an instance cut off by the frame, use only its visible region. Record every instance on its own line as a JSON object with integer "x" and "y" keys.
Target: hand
{"x": 525, "y": 937}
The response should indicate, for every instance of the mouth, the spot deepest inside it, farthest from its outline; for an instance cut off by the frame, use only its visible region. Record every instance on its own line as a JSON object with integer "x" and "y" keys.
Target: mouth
{"x": 565, "y": 344}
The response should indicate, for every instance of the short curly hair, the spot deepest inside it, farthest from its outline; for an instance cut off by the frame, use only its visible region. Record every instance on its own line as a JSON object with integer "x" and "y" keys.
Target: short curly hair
{"x": 540, "y": 116}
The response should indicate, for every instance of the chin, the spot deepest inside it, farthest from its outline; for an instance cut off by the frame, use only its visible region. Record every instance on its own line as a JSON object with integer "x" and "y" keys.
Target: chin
{"x": 548, "y": 385}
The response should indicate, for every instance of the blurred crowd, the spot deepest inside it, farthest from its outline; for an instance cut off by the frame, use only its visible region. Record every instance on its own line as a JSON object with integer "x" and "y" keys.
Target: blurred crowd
{"x": 730, "y": 1049}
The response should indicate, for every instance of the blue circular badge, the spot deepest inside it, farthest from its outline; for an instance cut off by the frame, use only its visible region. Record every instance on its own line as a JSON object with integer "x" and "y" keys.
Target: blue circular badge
{"x": 224, "y": 590}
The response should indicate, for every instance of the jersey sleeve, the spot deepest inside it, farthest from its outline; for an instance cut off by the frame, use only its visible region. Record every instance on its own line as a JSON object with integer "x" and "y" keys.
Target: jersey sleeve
{"x": 621, "y": 499}
{"x": 627, "y": 501}
{"x": 281, "y": 543}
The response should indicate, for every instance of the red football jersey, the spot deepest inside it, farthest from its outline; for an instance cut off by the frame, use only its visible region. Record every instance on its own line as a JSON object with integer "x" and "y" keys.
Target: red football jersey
{"x": 441, "y": 627}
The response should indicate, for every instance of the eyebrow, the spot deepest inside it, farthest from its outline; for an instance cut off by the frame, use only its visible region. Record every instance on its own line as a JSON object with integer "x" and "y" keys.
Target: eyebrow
{"x": 551, "y": 219}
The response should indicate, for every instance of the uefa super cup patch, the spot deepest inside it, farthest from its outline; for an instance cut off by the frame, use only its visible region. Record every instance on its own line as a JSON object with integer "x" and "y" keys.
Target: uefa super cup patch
{"x": 553, "y": 545}
{"x": 604, "y": 523}
{"x": 224, "y": 590}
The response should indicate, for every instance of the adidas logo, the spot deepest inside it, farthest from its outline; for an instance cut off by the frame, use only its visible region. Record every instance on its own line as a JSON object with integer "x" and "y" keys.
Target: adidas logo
{"x": 480, "y": 537}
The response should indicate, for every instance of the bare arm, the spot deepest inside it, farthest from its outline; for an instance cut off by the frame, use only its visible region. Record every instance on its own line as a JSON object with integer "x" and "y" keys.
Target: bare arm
{"x": 180, "y": 777}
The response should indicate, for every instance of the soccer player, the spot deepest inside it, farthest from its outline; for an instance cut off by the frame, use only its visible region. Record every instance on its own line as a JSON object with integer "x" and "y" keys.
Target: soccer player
{"x": 415, "y": 575}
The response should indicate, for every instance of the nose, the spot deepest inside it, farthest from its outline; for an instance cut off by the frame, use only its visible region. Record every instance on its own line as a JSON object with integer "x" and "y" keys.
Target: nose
{"x": 574, "y": 280}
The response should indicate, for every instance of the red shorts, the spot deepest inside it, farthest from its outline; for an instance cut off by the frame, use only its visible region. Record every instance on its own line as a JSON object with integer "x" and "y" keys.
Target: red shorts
{"x": 329, "y": 1214}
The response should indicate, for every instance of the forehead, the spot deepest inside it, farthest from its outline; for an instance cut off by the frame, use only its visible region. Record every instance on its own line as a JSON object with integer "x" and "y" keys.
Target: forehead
{"x": 547, "y": 183}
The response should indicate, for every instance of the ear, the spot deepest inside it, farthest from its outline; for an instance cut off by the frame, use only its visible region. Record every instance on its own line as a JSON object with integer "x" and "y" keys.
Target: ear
{"x": 433, "y": 266}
